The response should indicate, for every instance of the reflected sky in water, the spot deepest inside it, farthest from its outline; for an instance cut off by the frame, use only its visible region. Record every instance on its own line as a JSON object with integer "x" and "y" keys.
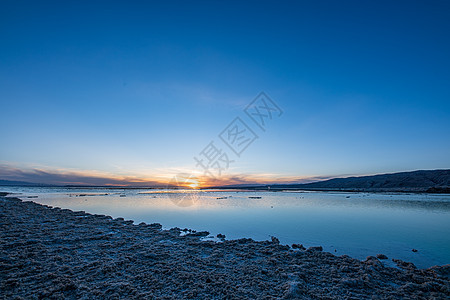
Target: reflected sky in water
{"x": 357, "y": 224}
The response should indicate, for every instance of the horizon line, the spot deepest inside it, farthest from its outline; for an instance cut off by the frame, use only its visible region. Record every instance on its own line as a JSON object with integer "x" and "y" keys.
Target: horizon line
{"x": 70, "y": 178}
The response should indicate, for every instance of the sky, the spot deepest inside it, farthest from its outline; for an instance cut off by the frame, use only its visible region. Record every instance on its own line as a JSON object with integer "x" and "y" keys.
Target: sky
{"x": 132, "y": 92}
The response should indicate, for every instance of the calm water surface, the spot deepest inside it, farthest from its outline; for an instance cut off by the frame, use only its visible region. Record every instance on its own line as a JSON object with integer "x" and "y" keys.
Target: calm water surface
{"x": 356, "y": 224}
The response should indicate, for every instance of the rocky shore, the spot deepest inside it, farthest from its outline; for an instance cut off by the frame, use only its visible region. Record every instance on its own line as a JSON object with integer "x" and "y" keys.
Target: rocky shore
{"x": 55, "y": 253}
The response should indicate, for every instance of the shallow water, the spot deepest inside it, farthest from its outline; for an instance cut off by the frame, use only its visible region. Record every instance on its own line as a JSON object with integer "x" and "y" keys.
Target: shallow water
{"x": 356, "y": 224}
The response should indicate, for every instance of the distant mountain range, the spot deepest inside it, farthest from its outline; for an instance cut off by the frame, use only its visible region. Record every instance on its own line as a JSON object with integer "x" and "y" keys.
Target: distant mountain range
{"x": 19, "y": 183}
{"x": 431, "y": 181}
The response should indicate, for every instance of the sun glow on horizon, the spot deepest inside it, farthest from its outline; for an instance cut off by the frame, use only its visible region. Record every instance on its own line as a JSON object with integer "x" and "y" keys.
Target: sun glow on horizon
{"x": 194, "y": 185}
{"x": 182, "y": 178}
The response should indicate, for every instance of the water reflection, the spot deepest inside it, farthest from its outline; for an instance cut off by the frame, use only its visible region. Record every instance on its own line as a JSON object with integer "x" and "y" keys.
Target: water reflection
{"x": 358, "y": 224}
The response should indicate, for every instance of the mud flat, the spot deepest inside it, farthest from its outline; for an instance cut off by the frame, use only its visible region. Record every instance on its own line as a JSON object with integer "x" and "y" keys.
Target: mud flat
{"x": 61, "y": 254}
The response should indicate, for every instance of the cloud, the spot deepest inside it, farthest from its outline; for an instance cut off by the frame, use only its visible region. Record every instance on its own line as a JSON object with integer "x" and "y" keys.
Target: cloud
{"x": 257, "y": 179}
{"x": 67, "y": 177}
{"x": 42, "y": 175}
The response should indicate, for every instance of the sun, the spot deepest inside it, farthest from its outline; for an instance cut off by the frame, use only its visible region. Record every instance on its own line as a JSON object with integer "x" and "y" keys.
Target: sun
{"x": 194, "y": 185}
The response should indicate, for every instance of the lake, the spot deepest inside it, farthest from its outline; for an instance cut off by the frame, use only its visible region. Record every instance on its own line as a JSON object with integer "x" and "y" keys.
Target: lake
{"x": 356, "y": 224}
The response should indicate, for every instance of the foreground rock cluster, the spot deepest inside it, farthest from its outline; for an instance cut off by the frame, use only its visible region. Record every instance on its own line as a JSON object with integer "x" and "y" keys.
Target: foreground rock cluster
{"x": 55, "y": 253}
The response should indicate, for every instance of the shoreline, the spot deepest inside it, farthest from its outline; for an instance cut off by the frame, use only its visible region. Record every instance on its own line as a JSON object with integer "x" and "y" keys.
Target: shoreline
{"x": 58, "y": 253}
{"x": 427, "y": 190}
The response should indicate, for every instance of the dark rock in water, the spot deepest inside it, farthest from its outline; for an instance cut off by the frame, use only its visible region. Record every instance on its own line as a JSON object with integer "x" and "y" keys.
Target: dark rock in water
{"x": 155, "y": 225}
{"x": 404, "y": 264}
{"x": 221, "y": 236}
{"x": 442, "y": 270}
{"x": 319, "y": 248}
{"x": 200, "y": 233}
{"x": 382, "y": 256}
{"x": 244, "y": 241}
{"x": 298, "y": 246}
{"x": 370, "y": 258}
{"x": 284, "y": 247}
{"x": 175, "y": 230}
{"x": 275, "y": 240}
{"x": 254, "y": 197}
{"x": 373, "y": 261}
{"x": 414, "y": 250}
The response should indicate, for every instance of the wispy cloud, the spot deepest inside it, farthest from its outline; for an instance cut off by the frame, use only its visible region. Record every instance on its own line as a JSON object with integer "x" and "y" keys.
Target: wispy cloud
{"x": 196, "y": 93}
{"x": 54, "y": 176}
{"x": 68, "y": 177}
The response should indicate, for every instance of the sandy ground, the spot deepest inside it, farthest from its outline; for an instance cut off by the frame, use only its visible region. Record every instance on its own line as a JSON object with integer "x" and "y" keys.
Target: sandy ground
{"x": 56, "y": 253}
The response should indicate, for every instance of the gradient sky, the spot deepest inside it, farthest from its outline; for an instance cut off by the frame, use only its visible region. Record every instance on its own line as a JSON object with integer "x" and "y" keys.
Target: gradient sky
{"x": 129, "y": 89}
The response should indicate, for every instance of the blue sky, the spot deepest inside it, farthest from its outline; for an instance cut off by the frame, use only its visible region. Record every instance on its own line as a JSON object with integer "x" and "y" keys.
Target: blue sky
{"x": 133, "y": 91}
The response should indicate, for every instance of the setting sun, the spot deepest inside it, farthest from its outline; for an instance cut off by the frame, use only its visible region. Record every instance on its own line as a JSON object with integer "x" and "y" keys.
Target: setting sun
{"x": 195, "y": 184}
